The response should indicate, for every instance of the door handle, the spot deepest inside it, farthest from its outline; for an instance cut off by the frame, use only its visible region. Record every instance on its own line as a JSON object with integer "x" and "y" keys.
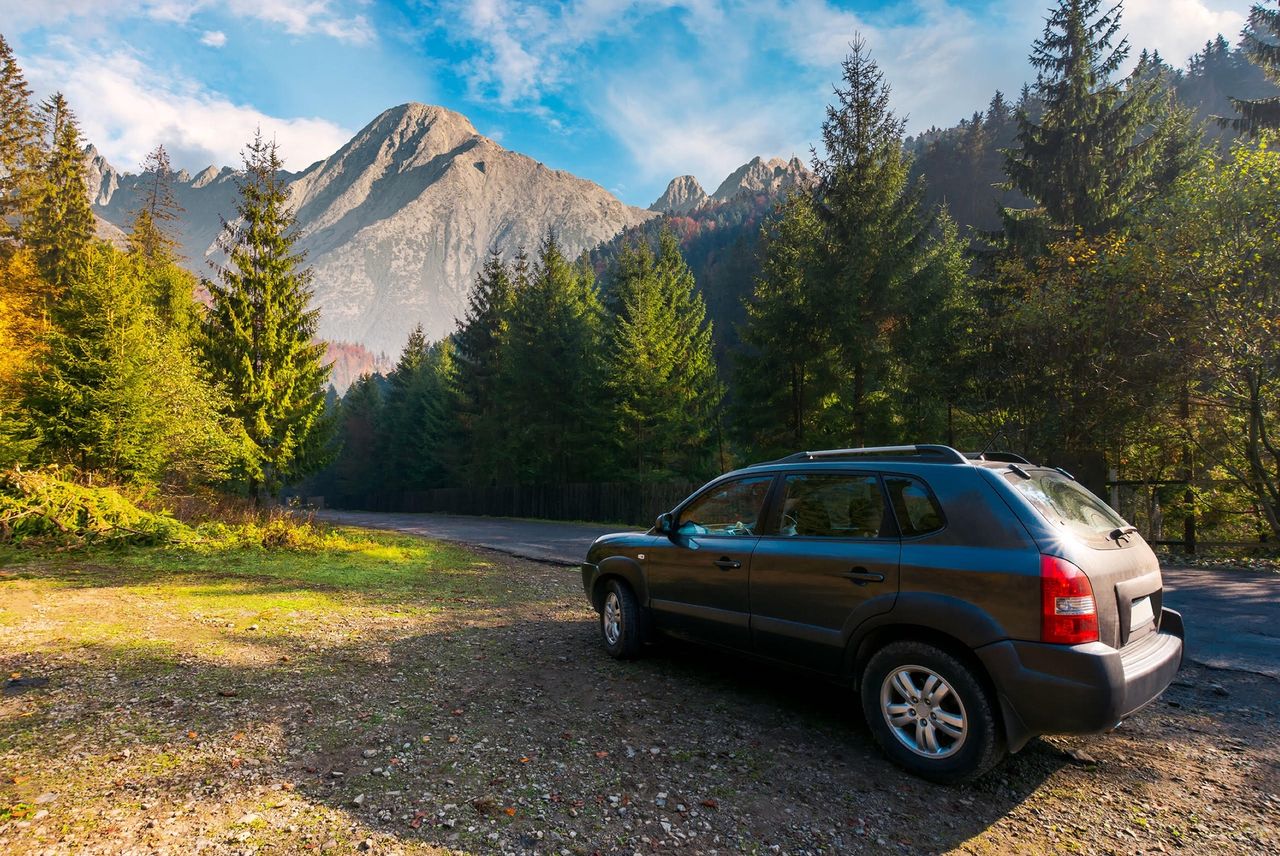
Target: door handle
{"x": 724, "y": 563}
{"x": 861, "y": 576}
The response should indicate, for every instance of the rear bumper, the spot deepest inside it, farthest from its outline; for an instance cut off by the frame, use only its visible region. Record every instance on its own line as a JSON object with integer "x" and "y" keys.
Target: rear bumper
{"x": 1080, "y": 689}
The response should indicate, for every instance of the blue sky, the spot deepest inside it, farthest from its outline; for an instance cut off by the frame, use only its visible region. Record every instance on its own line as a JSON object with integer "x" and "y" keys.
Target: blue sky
{"x": 627, "y": 93}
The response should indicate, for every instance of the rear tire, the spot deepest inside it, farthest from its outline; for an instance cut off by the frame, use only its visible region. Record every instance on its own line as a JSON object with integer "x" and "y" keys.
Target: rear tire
{"x": 930, "y": 713}
{"x": 620, "y": 627}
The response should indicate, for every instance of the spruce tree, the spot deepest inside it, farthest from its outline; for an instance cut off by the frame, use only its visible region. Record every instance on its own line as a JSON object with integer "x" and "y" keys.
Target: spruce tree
{"x": 1098, "y": 149}
{"x": 259, "y": 334}
{"x": 661, "y": 369}
{"x": 115, "y": 394}
{"x": 550, "y": 380}
{"x": 19, "y": 140}
{"x": 1261, "y": 43}
{"x": 151, "y": 237}
{"x": 416, "y": 416}
{"x": 358, "y": 469}
{"x": 878, "y": 232}
{"x": 479, "y": 345}
{"x": 59, "y": 226}
{"x": 786, "y": 370}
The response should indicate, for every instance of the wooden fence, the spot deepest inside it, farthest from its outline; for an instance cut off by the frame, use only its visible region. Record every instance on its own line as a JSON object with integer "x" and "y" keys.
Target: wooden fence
{"x": 608, "y": 502}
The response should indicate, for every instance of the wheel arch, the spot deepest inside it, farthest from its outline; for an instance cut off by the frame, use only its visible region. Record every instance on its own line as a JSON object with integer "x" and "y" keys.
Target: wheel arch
{"x": 619, "y": 568}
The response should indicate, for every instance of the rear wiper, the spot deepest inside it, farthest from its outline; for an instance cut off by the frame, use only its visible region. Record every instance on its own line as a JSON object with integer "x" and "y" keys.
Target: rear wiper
{"x": 1123, "y": 532}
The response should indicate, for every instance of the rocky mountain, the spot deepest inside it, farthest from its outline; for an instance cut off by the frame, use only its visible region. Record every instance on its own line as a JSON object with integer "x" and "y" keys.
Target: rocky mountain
{"x": 682, "y": 195}
{"x": 772, "y": 177}
{"x": 397, "y": 222}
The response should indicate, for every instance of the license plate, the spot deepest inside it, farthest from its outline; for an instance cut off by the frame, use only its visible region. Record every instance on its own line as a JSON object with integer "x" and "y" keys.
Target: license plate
{"x": 1140, "y": 614}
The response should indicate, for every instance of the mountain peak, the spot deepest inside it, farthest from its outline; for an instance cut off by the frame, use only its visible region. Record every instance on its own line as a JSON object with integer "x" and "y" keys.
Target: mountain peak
{"x": 414, "y": 114}
{"x": 682, "y": 195}
{"x": 764, "y": 176}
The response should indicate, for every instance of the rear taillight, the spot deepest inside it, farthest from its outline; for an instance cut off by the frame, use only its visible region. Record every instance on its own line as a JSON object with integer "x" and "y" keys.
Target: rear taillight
{"x": 1068, "y": 612}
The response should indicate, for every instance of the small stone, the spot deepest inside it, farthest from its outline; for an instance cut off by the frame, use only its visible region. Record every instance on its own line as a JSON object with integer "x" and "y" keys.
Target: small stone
{"x": 358, "y": 800}
{"x": 45, "y": 798}
{"x": 1219, "y": 690}
{"x": 247, "y": 819}
{"x": 1080, "y": 756}
{"x": 369, "y": 753}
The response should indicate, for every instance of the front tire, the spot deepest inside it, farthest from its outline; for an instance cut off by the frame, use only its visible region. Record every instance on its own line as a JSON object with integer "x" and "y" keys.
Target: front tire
{"x": 930, "y": 713}
{"x": 620, "y": 621}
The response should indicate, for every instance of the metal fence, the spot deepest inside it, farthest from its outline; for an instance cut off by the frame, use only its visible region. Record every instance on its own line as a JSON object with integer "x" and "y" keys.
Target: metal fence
{"x": 607, "y": 502}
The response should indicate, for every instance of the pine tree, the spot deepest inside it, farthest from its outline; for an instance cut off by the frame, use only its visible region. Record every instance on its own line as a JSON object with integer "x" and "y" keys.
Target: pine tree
{"x": 1097, "y": 151}
{"x": 878, "y": 232}
{"x": 259, "y": 335}
{"x": 20, "y": 154}
{"x": 550, "y": 379}
{"x": 359, "y": 468}
{"x": 1261, "y": 43}
{"x": 480, "y": 342}
{"x": 786, "y": 370}
{"x": 115, "y": 394}
{"x": 661, "y": 369}
{"x": 60, "y": 224}
{"x": 416, "y": 415}
{"x": 151, "y": 237}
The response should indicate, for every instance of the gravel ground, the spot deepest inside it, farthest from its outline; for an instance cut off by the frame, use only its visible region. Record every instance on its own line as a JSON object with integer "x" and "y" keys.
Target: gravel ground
{"x": 458, "y": 722}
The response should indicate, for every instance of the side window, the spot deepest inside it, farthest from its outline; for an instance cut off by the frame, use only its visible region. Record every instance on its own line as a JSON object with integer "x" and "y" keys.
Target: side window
{"x": 833, "y": 506}
{"x": 730, "y": 509}
{"x": 917, "y": 510}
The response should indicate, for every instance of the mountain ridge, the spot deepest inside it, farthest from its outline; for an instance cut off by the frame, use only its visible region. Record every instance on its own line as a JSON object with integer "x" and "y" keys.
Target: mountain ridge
{"x": 397, "y": 221}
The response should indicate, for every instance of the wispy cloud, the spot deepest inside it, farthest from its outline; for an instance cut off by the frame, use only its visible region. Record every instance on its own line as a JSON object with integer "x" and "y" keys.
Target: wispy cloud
{"x": 214, "y": 38}
{"x": 331, "y": 18}
{"x": 701, "y": 85}
{"x": 126, "y": 108}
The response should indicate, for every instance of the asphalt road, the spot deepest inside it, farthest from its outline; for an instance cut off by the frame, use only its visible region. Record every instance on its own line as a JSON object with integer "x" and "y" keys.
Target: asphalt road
{"x": 1232, "y": 618}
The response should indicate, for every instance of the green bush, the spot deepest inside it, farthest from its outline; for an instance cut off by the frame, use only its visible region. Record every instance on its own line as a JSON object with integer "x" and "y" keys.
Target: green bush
{"x": 41, "y": 507}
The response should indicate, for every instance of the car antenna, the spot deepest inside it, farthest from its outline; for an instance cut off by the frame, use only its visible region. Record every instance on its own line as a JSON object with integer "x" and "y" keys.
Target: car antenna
{"x": 996, "y": 435}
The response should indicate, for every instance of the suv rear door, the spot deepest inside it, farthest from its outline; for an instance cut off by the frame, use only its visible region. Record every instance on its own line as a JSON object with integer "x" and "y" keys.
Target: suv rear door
{"x": 697, "y": 578}
{"x": 831, "y": 562}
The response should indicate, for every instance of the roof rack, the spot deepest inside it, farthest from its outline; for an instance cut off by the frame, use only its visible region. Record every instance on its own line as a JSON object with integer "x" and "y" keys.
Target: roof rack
{"x": 998, "y": 457}
{"x": 947, "y": 454}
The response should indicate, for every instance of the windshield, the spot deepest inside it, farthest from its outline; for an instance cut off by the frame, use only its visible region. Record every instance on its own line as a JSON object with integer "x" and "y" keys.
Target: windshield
{"x": 1064, "y": 503}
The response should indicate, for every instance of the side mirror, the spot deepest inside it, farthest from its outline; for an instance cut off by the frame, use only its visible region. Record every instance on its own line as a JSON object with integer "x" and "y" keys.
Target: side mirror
{"x": 665, "y": 524}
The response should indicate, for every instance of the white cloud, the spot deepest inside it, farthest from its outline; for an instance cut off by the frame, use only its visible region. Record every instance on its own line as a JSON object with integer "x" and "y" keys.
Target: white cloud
{"x": 214, "y": 38}
{"x": 1179, "y": 28}
{"x": 126, "y": 108}
{"x": 295, "y": 17}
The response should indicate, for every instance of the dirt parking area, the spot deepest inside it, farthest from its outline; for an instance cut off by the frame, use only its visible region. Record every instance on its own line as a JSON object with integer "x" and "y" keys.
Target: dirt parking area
{"x": 462, "y": 702}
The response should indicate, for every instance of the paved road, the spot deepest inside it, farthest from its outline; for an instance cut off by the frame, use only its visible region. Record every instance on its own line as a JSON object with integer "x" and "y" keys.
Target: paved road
{"x": 1233, "y": 618}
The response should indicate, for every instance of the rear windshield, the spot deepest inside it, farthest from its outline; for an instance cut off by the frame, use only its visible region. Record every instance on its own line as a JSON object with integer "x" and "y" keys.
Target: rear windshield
{"x": 1065, "y": 503}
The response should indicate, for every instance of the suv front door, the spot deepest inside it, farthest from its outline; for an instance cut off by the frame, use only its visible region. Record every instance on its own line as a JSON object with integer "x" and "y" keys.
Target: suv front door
{"x": 832, "y": 563}
{"x": 697, "y": 578}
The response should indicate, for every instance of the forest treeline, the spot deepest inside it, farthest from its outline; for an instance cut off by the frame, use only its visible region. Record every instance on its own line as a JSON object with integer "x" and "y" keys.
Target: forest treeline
{"x": 1123, "y": 302}
{"x": 1119, "y": 300}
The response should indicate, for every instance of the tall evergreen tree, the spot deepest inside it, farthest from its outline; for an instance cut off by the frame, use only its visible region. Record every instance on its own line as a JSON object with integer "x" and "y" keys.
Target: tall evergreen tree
{"x": 480, "y": 342}
{"x": 359, "y": 469}
{"x": 19, "y": 140}
{"x": 1261, "y": 43}
{"x": 1101, "y": 144}
{"x": 259, "y": 334}
{"x": 550, "y": 379}
{"x": 416, "y": 415}
{"x": 115, "y": 394}
{"x": 786, "y": 369}
{"x": 151, "y": 237}
{"x": 661, "y": 367}
{"x": 59, "y": 226}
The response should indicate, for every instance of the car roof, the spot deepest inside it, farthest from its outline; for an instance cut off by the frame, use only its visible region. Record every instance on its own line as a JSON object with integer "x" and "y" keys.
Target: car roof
{"x": 906, "y": 459}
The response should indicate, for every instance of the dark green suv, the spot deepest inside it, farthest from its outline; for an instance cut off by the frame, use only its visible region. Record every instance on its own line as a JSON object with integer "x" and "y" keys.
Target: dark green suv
{"x": 974, "y": 601}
